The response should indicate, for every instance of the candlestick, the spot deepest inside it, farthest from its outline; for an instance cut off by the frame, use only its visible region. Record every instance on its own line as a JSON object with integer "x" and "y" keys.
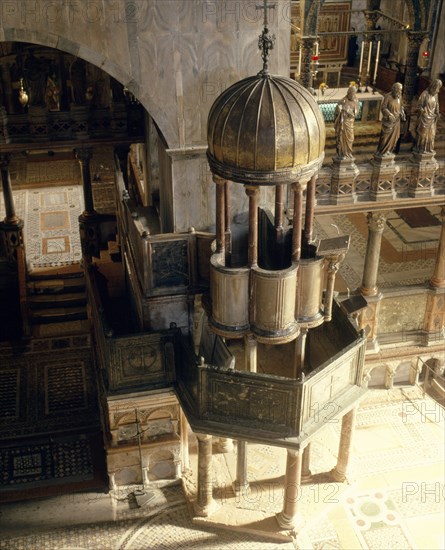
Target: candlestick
{"x": 376, "y": 61}
{"x": 369, "y": 57}
{"x": 299, "y": 60}
{"x": 361, "y": 59}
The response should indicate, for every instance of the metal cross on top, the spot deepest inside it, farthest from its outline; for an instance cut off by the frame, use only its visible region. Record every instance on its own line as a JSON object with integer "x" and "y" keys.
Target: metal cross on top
{"x": 265, "y": 41}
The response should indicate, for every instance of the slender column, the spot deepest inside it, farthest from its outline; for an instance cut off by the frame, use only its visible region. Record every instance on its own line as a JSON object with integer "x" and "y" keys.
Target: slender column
{"x": 84, "y": 156}
{"x": 252, "y": 193}
{"x": 122, "y": 152}
{"x": 376, "y": 225}
{"x": 297, "y": 222}
{"x": 287, "y": 518}
{"x": 300, "y": 352}
{"x": 310, "y": 209}
{"x": 220, "y": 214}
{"x": 204, "y": 502}
{"x": 415, "y": 40}
{"x": 340, "y": 471}
{"x": 228, "y": 231}
{"x": 333, "y": 267}
{"x": 241, "y": 483}
{"x": 11, "y": 217}
{"x": 307, "y": 47}
{"x": 184, "y": 442}
{"x": 279, "y": 207}
{"x": 306, "y": 474}
{"x": 250, "y": 353}
{"x": 438, "y": 278}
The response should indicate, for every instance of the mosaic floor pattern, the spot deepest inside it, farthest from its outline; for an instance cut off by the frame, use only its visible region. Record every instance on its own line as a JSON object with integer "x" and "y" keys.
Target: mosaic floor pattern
{"x": 394, "y": 498}
{"x": 51, "y": 229}
{"x": 407, "y": 254}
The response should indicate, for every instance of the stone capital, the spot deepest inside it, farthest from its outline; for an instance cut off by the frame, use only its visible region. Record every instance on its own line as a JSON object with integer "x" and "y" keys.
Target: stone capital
{"x": 84, "y": 154}
{"x": 5, "y": 159}
{"x": 376, "y": 221}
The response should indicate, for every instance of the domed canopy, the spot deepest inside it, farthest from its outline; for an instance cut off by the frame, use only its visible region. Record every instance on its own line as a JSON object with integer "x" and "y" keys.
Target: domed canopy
{"x": 265, "y": 130}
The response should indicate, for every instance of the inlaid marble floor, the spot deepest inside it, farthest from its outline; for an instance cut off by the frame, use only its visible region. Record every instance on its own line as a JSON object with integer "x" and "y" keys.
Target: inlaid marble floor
{"x": 394, "y": 499}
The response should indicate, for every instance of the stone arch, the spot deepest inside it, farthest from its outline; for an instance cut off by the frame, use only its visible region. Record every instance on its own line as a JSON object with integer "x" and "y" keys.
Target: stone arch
{"x": 121, "y": 74}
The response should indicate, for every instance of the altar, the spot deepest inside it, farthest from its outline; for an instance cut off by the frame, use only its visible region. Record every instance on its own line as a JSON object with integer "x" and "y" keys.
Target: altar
{"x": 369, "y": 102}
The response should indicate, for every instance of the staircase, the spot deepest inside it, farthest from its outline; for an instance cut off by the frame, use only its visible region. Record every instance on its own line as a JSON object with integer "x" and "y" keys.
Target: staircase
{"x": 57, "y": 302}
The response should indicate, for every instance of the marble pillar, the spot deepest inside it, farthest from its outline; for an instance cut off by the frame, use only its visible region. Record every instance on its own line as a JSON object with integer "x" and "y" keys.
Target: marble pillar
{"x": 310, "y": 210}
{"x": 306, "y": 474}
{"x": 220, "y": 215}
{"x": 376, "y": 226}
{"x": 252, "y": 193}
{"x": 204, "y": 504}
{"x": 438, "y": 278}
{"x": 434, "y": 319}
{"x": 288, "y": 518}
{"x": 340, "y": 472}
{"x": 241, "y": 484}
{"x": 11, "y": 218}
{"x": 307, "y": 48}
{"x": 184, "y": 442}
{"x": 297, "y": 221}
{"x": 84, "y": 156}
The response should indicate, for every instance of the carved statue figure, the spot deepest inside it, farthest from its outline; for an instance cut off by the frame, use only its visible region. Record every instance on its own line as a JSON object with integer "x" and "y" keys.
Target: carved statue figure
{"x": 52, "y": 94}
{"x": 36, "y": 71}
{"x": 392, "y": 115}
{"x": 428, "y": 115}
{"x": 346, "y": 111}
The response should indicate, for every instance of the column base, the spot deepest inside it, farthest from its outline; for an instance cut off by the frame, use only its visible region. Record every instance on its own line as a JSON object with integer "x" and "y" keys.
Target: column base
{"x": 306, "y": 477}
{"x": 337, "y": 476}
{"x": 205, "y": 511}
{"x": 286, "y": 522}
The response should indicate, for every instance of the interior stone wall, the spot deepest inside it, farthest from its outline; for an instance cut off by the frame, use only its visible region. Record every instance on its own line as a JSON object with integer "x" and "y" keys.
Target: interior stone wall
{"x": 175, "y": 56}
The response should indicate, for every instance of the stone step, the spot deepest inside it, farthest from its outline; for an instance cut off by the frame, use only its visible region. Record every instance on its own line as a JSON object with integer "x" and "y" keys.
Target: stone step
{"x": 69, "y": 299}
{"x": 55, "y": 286}
{"x": 57, "y": 315}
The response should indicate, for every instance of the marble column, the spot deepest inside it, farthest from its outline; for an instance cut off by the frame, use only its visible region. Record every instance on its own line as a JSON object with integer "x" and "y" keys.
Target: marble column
{"x": 438, "y": 278}
{"x": 204, "y": 504}
{"x": 299, "y": 353}
{"x": 376, "y": 226}
{"x": 252, "y": 193}
{"x": 279, "y": 223}
{"x": 184, "y": 442}
{"x": 241, "y": 484}
{"x": 306, "y": 474}
{"x": 228, "y": 231}
{"x": 434, "y": 318}
{"x": 333, "y": 267}
{"x": 122, "y": 152}
{"x": 220, "y": 215}
{"x": 250, "y": 353}
{"x": 288, "y": 517}
{"x": 339, "y": 473}
{"x": 310, "y": 210}
{"x": 307, "y": 48}
{"x": 297, "y": 222}
{"x": 84, "y": 156}
{"x": 11, "y": 218}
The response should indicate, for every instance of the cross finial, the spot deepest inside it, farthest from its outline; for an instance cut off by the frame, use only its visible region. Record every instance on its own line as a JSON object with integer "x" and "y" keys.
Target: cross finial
{"x": 265, "y": 41}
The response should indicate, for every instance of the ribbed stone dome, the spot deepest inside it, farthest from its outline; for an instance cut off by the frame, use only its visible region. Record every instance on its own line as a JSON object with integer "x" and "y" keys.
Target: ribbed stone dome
{"x": 265, "y": 130}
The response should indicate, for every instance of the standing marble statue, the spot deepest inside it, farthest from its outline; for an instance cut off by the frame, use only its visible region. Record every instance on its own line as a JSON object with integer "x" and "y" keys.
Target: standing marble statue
{"x": 392, "y": 116}
{"x": 346, "y": 111}
{"x": 428, "y": 115}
